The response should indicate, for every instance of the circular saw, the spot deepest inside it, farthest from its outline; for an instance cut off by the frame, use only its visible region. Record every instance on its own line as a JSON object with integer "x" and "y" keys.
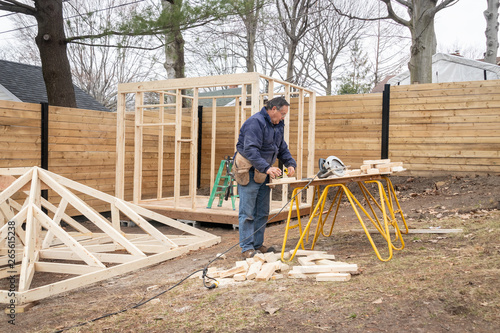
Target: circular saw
{"x": 332, "y": 166}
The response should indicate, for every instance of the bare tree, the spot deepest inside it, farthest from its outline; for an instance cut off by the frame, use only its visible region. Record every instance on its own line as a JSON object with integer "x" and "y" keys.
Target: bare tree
{"x": 235, "y": 43}
{"x": 491, "y": 15}
{"x": 249, "y": 12}
{"x": 420, "y": 22}
{"x": 272, "y": 41}
{"x": 214, "y": 50}
{"x": 295, "y": 20}
{"x": 324, "y": 44}
{"x": 389, "y": 42}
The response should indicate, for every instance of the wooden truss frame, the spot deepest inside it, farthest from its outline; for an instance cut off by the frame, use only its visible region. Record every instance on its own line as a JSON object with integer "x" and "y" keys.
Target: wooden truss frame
{"x": 33, "y": 241}
{"x": 251, "y": 99}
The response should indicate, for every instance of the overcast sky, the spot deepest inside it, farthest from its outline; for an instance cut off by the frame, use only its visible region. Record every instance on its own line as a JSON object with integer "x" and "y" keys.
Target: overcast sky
{"x": 462, "y": 24}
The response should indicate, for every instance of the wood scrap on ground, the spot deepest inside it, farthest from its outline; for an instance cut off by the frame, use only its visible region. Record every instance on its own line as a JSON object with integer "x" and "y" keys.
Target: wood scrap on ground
{"x": 317, "y": 265}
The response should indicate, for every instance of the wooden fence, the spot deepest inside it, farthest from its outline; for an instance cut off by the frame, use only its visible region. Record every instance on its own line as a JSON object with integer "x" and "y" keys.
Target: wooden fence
{"x": 449, "y": 128}
{"x": 446, "y": 128}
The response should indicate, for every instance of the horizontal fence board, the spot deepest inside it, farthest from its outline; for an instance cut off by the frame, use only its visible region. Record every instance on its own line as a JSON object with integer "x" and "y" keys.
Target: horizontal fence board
{"x": 448, "y": 140}
{"x": 474, "y": 169}
{"x": 447, "y": 106}
{"x": 455, "y": 160}
{"x": 444, "y": 86}
{"x": 396, "y": 94}
{"x": 448, "y": 153}
{"x": 470, "y": 127}
{"x": 451, "y": 120}
{"x": 441, "y": 133}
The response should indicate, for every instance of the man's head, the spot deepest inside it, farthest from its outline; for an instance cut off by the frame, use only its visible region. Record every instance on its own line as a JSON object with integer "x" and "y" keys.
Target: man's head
{"x": 277, "y": 108}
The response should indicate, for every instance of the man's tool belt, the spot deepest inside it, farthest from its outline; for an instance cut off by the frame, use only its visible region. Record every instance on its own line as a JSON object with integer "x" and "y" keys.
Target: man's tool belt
{"x": 242, "y": 167}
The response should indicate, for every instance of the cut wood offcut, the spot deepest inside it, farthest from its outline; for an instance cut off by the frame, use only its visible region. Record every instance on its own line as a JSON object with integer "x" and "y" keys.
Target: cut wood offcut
{"x": 380, "y": 166}
{"x": 265, "y": 267}
{"x": 33, "y": 241}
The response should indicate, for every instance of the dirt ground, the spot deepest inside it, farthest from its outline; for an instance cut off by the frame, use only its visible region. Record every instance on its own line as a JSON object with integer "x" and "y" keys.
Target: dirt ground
{"x": 437, "y": 283}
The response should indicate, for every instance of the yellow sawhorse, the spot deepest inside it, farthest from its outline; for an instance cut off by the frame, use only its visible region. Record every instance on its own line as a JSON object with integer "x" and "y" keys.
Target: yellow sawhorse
{"x": 387, "y": 205}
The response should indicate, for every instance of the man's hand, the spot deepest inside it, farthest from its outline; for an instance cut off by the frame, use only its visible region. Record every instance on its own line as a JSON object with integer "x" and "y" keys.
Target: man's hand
{"x": 274, "y": 172}
{"x": 291, "y": 171}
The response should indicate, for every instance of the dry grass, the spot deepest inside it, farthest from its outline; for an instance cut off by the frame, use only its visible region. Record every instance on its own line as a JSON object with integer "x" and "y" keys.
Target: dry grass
{"x": 438, "y": 283}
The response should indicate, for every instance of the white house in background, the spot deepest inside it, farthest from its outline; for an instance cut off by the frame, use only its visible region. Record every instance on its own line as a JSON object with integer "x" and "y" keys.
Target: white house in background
{"x": 452, "y": 68}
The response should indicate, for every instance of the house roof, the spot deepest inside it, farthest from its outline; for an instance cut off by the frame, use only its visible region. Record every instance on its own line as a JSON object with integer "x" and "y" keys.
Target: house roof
{"x": 221, "y": 101}
{"x": 379, "y": 87}
{"x": 497, "y": 61}
{"x": 24, "y": 83}
{"x": 451, "y": 68}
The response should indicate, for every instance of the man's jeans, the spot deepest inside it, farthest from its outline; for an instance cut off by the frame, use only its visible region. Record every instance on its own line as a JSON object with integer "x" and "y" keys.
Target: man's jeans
{"x": 254, "y": 212}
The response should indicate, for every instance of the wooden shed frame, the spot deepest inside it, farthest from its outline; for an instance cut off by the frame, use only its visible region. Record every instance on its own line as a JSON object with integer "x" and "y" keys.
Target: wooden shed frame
{"x": 255, "y": 89}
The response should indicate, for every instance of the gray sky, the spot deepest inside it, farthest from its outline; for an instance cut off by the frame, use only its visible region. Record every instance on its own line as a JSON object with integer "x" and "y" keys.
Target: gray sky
{"x": 462, "y": 24}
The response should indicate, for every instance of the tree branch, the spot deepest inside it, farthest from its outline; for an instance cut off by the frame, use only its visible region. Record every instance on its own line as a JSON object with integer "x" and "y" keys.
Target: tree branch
{"x": 150, "y": 32}
{"x": 444, "y": 4}
{"x": 405, "y": 3}
{"x": 393, "y": 15}
{"x": 353, "y": 17}
{"x": 121, "y": 46}
{"x": 17, "y": 7}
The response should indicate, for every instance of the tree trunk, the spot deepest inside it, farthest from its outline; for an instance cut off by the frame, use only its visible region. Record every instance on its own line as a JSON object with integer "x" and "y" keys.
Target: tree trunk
{"x": 328, "y": 89}
{"x": 292, "y": 50}
{"x": 51, "y": 44}
{"x": 174, "y": 55}
{"x": 250, "y": 15}
{"x": 251, "y": 27}
{"x": 294, "y": 17}
{"x": 423, "y": 41}
{"x": 491, "y": 15}
{"x": 174, "y": 48}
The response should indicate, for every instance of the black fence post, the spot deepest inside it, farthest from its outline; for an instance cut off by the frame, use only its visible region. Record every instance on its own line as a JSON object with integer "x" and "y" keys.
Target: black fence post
{"x": 200, "y": 132}
{"x": 44, "y": 133}
{"x": 386, "y": 99}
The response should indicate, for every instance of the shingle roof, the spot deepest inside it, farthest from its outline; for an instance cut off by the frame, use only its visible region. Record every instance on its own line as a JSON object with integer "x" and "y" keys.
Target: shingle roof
{"x": 26, "y": 83}
{"x": 379, "y": 87}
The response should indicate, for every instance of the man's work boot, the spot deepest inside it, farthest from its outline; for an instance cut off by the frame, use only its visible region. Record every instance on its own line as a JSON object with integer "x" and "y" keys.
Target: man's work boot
{"x": 265, "y": 249}
{"x": 248, "y": 253}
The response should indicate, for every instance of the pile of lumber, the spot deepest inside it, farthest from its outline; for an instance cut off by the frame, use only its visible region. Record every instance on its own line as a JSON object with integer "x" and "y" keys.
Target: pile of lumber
{"x": 268, "y": 266}
{"x": 376, "y": 166}
{"x": 262, "y": 267}
{"x": 322, "y": 267}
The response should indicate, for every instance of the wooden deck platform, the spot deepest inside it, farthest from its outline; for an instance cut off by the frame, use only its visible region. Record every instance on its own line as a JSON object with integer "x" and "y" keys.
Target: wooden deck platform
{"x": 201, "y": 213}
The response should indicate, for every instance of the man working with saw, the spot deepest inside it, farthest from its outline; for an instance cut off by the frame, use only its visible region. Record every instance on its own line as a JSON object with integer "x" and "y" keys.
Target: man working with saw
{"x": 260, "y": 143}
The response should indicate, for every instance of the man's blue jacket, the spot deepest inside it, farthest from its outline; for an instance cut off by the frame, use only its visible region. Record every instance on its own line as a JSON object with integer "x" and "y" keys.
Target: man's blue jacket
{"x": 261, "y": 142}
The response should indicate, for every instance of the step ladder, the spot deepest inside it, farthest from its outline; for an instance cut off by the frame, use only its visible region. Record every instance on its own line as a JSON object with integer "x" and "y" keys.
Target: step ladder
{"x": 224, "y": 184}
